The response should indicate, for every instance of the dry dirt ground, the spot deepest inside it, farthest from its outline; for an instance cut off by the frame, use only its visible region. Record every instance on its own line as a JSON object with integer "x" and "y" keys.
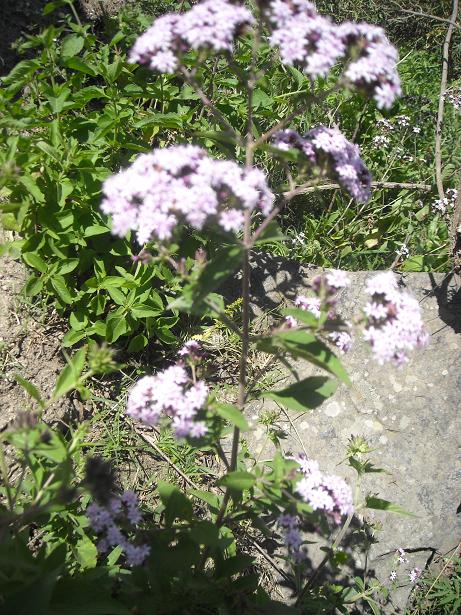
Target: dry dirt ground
{"x": 29, "y": 346}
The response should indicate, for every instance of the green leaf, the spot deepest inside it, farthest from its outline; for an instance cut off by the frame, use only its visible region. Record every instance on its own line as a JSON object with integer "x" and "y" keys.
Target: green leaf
{"x": 95, "y": 229}
{"x": 238, "y": 481}
{"x": 80, "y": 66}
{"x": 205, "y": 533}
{"x": 71, "y": 46}
{"x": 30, "y": 185}
{"x": 166, "y": 120}
{"x": 20, "y": 75}
{"x": 33, "y": 286}
{"x": 78, "y": 320}
{"x": 145, "y": 311}
{"x": 211, "y": 499}
{"x": 86, "y": 553}
{"x": 177, "y": 505}
{"x": 30, "y": 388}
{"x": 233, "y": 415}
{"x": 73, "y": 337}
{"x": 69, "y": 378}
{"x": 34, "y": 260}
{"x": 303, "y": 316}
{"x": 379, "y": 504}
{"x": 138, "y": 343}
{"x": 302, "y": 344}
{"x": 60, "y": 286}
{"x": 116, "y": 326}
{"x": 304, "y": 395}
{"x": 52, "y": 6}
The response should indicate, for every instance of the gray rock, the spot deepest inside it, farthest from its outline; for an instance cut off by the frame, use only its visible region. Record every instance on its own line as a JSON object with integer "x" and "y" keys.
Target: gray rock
{"x": 409, "y": 415}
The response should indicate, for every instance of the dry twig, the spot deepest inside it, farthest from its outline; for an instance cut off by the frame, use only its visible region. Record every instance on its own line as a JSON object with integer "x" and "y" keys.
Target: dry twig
{"x": 443, "y": 86}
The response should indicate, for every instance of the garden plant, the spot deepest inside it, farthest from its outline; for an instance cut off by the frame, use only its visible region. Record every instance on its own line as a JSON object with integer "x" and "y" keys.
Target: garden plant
{"x": 188, "y": 218}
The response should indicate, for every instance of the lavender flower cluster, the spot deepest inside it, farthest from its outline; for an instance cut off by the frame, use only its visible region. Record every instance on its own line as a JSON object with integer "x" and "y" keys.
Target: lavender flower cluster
{"x": 447, "y": 203}
{"x": 400, "y": 559}
{"x": 212, "y": 24}
{"x": 328, "y": 493}
{"x": 292, "y": 538}
{"x": 330, "y": 151}
{"x": 170, "y": 393}
{"x": 304, "y": 37}
{"x": 394, "y": 324}
{"x": 454, "y": 97}
{"x": 326, "y": 288}
{"x": 182, "y": 185}
{"x": 106, "y": 521}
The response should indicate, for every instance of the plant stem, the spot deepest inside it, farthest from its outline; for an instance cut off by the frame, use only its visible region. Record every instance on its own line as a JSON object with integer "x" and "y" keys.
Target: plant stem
{"x": 311, "y": 100}
{"x": 219, "y": 117}
{"x": 441, "y": 108}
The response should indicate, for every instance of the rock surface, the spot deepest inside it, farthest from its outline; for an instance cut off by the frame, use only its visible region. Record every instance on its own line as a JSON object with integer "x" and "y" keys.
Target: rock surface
{"x": 410, "y": 416}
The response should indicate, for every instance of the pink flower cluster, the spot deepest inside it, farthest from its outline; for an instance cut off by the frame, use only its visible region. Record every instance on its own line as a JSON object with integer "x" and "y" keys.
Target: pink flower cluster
{"x": 106, "y": 520}
{"x": 191, "y": 350}
{"x": 212, "y": 24}
{"x": 182, "y": 185}
{"x": 329, "y": 150}
{"x": 170, "y": 393}
{"x": 326, "y": 288}
{"x": 292, "y": 536}
{"x": 328, "y": 493}
{"x": 304, "y": 37}
{"x": 394, "y": 324}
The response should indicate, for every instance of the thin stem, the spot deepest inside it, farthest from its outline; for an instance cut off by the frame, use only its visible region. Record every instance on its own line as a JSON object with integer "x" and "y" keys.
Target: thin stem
{"x": 311, "y": 100}
{"x": 220, "y": 118}
{"x": 443, "y": 86}
{"x": 334, "y": 546}
{"x": 75, "y": 14}
{"x": 426, "y": 16}
{"x": 223, "y": 317}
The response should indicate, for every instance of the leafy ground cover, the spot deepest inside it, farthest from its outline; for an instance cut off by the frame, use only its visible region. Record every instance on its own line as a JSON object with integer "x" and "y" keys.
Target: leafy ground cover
{"x": 76, "y": 111}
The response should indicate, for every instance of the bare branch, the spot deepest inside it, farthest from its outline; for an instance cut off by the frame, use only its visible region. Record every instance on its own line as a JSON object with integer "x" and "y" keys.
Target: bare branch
{"x": 306, "y": 188}
{"x": 427, "y": 16}
{"x": 312, "y": 99}
{"x": 443, "y": 86}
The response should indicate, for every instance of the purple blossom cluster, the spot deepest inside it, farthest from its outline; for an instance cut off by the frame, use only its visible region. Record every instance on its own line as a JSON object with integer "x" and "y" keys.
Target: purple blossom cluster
{"x": 211, "y": 24}
{"x": 447, "y": 203}
{"x": 394, "y": 324}
{"x": 192, "y": 350}
{"x": 326, "y": 288}
{"x": 292, "y": 538}
{"x": 106, "y": 521}
{"x": 330, "y": 151}
{"x": 327, "y": 493}
{"x": 316, "y": 43}
{"x": 401, "y": 559}
{"x": 170, "y": 393}
{"x": 454, "y": 97}
{"x": 182, "y": 185}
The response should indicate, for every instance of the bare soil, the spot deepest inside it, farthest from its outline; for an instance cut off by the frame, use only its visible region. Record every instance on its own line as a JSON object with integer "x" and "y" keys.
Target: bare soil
{"x": 29, "y": 346}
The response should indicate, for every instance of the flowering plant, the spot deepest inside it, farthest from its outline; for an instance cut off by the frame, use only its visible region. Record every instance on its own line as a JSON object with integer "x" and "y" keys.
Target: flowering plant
{"x": 195, "y": 551}
{"x": 181, "y": 186}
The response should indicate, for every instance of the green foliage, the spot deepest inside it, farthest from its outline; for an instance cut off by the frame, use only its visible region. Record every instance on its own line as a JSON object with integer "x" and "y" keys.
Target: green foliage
{"x": 439, "y": 593}
{"x": 83, "y": 113}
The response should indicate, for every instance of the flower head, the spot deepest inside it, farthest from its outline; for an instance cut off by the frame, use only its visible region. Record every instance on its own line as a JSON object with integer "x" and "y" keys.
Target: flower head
{"x": 211, "y": 24}
{"x": 330, "y": 151}
{"x": 170, "y": 394}
{"x": 328, "y": 493}
{"x": 394, "y": 324}
{"x": 182, "y": 185}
